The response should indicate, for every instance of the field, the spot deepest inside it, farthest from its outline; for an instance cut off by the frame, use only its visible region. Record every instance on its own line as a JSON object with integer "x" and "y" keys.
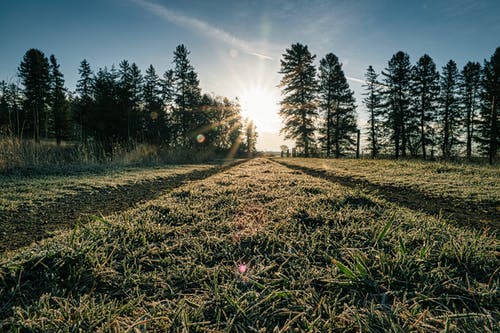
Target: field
{"x": 267, "y": 245}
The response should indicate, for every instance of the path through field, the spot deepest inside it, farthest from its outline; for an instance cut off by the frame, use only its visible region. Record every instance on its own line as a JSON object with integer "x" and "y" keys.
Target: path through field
{"x": 257, "y": 247}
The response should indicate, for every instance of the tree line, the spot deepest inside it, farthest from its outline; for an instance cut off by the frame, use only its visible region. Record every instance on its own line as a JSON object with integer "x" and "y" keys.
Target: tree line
{"x": 121, "y": 105}
{"x": 413, "y": 111}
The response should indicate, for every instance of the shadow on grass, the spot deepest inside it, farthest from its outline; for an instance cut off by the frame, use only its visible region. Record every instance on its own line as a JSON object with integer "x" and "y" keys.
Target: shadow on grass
{"x": 26, "y": 225}
{"x": 465, "y": 213}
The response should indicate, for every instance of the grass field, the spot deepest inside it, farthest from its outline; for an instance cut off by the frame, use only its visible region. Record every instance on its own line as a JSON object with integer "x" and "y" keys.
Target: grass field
{"x": 470, "y": 194}
{"x": 264, "y": 247}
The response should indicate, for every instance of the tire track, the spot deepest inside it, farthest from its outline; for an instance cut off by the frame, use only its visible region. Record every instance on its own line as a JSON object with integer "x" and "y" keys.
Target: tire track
{"x": 25, "y": 225}
{"x": 465, "y": 213}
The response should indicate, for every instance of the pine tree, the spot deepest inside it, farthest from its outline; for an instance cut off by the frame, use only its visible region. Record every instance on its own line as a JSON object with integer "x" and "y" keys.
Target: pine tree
{"x": 154, "y": 115}
{"x": 373, "y": 105}
{"x": 470, "y": 85}
{"x": 84, "y": 102}
{"x": 425, "y": 91}
{"x": 107, "y": 118}
{"x": 34, "y": 74}
{"x": 168, "y": 97}
{"x": 298, "y": 106}
{"x": 136, "y": 100}
{"x": 5, "y": 126}
{"x": 187, "y": 97}
{"x": 489, "y": 132}
{"x": 449, "y": 111}
{"x": 397, "y": 100}
{"x": 58, "y": 103}
{"x": 125, "y": 96}
{"x": 336, "y": 101}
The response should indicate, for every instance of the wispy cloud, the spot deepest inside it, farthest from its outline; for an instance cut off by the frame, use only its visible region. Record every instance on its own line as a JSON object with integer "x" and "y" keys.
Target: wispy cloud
{"x": 201, "y": 27}
{"x": 355, "y": 79}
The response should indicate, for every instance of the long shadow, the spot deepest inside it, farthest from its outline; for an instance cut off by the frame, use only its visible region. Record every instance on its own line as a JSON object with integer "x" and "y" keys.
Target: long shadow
{"x": 463, "y": 212}
{"x": 25, "y": 225}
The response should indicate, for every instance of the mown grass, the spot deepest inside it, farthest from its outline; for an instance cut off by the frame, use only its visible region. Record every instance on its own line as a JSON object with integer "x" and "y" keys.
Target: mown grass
{"x": 36, "y": 190}
{"x": 461, "y": 181}
{"x": 468, "y": 194}
{"x": 259, "y": 247}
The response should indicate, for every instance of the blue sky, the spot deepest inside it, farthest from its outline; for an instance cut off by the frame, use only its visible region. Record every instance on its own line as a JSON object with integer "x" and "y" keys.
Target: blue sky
{"x": 236, "y": 45}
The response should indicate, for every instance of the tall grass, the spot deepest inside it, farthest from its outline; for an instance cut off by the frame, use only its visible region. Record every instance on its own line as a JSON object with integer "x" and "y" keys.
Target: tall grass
{"x": 20, "y": 155}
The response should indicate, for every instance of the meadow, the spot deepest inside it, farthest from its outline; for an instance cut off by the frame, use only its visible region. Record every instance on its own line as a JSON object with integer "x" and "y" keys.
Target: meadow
{"x": 264, "y": 245}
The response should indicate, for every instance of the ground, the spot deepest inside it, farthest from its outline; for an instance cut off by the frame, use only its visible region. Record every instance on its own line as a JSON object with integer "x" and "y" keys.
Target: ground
{"x": 263, "y": 245}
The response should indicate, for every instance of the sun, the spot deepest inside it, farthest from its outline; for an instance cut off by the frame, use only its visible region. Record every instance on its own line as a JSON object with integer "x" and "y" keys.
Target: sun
{"x": 259, "y": 104}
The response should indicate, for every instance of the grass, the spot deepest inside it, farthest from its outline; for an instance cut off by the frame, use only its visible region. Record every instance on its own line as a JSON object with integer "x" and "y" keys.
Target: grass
{"x": 259, "y": 247}
{"x": 35, "y": 207}
{"x": 470, "y": 192}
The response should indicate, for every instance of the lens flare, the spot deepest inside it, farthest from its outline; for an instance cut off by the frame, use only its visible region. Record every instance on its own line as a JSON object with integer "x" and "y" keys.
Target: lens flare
{"x": 200, "y": 138}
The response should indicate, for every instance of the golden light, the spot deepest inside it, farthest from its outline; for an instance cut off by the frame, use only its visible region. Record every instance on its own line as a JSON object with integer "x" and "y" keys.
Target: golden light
{"x": 259, "y": 104}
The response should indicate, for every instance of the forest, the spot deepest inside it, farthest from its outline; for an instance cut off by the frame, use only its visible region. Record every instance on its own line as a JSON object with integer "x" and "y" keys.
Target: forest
{"x": 413, "y": 109}
{"x": 118, "y": 108}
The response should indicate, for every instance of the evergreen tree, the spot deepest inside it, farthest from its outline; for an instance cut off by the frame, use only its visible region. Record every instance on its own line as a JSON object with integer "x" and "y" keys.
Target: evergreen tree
{"x": 126, "y": 98}
{"x": 5, "y": 126}
{"x": 489, "y": 133}
{"x": 136, "y": 101}
{"x": 187, "y": 97}
{"x": 425, "y": 91}
{"x": 58, "y": 103}
{"x": 336, "y": 101}
{"x": 168, "y": 97}
{"x": 84, "y": 102}
{"x": 299, "y": 86}
{"x": 107, "y": 119}
{"x": 373, "y": 104}
{"x": 14, "y": 102}
{"x": 397, "y": 100}
{"x": 449, "y": 111}
{"x": 154, "y": 114}
{"x": 34, "y": 74}
{"x": 470, "y": 84}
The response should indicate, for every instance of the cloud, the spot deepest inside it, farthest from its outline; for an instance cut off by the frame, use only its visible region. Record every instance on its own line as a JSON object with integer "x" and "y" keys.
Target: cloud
{"x": 201, "y": 27}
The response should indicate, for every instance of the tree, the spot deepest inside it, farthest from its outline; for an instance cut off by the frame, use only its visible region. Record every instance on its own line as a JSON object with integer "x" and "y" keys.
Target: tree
{"x": 84, "y": 102}
{"x": 470, "y": 85}
{"x": 298, "y": 106}
{"x": 129, "y": 94}
{"x": 58, "y": 103}
{"x": 425, "y": 91}
{"x": 449, "y": 111}
{"x": 489, "y": 135}
{"x": 336, "y": 101}
{"x": 4, "y": 110}
{"x": 107, "y": 119}
{"x": 373, "y": 104}
{"x": 34, "y": 74}
{"x": 251, "y": 137}
{"x": 154, "y": 114}
{"x": 187, "y": 97}
{"x": 397, "y": 100}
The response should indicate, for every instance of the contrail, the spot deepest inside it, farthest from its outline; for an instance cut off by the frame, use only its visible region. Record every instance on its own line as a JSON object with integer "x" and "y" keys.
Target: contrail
{"x": 355, "y": 79}
{"x": 200, "y": 26}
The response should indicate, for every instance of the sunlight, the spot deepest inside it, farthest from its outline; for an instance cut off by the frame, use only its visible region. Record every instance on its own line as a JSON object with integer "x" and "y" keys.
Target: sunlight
{"x": 259, "y": 104}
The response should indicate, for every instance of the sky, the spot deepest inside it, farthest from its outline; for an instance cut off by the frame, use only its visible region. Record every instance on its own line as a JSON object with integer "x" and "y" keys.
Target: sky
{"x": 236, "y": 46}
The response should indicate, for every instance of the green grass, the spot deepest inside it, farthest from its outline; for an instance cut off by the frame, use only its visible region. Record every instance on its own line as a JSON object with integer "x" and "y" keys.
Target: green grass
{"x": 319, "y": 257}
{"x": 35, "y": 190}
{"x": 460, "y": 181}
{"x": 469, "y": 194}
